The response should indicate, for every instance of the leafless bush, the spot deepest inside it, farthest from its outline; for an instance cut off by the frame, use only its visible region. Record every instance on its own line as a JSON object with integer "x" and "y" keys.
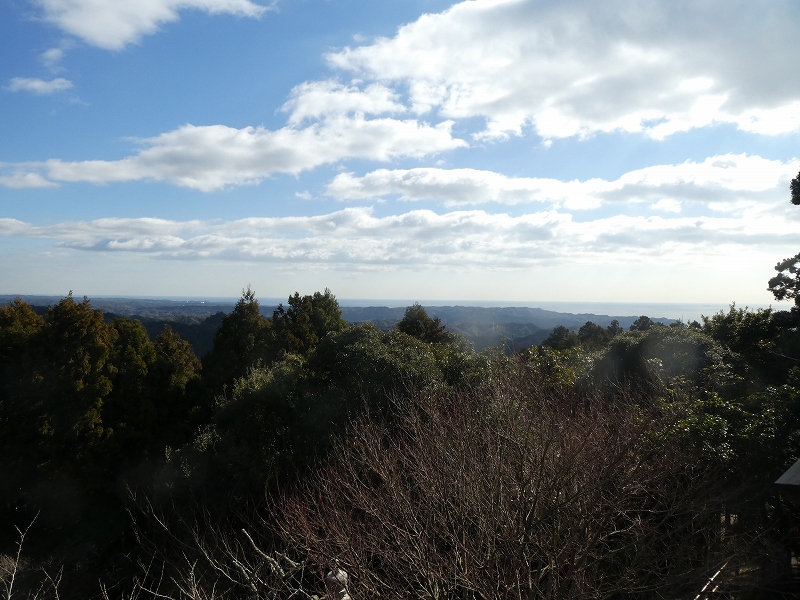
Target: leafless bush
{"x": 22, "y": 579}
{"x": 197, "y": 557}
{"x": 509, "y": 491}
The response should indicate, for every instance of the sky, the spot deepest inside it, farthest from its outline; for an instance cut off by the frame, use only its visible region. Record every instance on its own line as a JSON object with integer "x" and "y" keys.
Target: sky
{"x": 486, "y": 150}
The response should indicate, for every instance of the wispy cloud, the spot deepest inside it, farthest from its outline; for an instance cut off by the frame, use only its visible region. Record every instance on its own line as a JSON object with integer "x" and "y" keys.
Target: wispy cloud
{"x": 723, "y": 180}
{"x": 25, "y": 180}
{"x": 319, "y": 99}
{"x": 215, "y": 156}
{"x": 575, "y": 68}
{"x": 52, "y": 57}
{"x": 39, "y": 86}
{"x": 355, "y": 237}
{"x": 113, "y": 24}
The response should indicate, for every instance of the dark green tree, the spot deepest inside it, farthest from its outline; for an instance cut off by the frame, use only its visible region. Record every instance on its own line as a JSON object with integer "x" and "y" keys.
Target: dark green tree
{"x": 642, "y": 323}
{"x": 418, "y": 324}
{"x": 561, "y": 338}
{"x": 174, "y": 380}
{"x": 19, "y": 324}
{"x": 300, "y": 326}
{"x": 73, "y": 377}
{"x": 592, "y": 336}
{"x": 243, "y": 338}
{"x": 128, "y": 409}
{"x": 19, "y": 436}
{"x": 786, "y": 284}
{"x": 614, "y": 328}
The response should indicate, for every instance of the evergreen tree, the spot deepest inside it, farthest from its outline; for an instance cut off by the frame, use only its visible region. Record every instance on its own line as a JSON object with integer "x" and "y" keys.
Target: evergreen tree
{"x": 129, "y": 408}
{"x": 642, "y": 323}
{"x": 18, "y": 325}
{"x": 73, "y": 376}
{"x": 561, "y": 338}
{"x": 243, "y": 338}
{"x": 593, "y": 336}
{"x": 308, "y": 319}
{"x": 174, "y": 379}
{"x": 418, "y": 324}
{"x": 614, "y": 328}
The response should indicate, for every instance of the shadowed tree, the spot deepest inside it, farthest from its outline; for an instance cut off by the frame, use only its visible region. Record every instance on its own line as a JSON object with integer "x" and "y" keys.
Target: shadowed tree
{"x": 18, "y": 325}
{"x": 174, "y": 377}
{"x": 561, "y": 338}
{"x": 642, "y": 323}
{"x": 73, "y": 376}
{"x": 128, "y": 409}
{"x": 308, "y": 319}
{"x": 593, "y": 336}
{"x": 243, "y": 338}
{"x": 614, "y": 329}
{"x": 418, "y": 324}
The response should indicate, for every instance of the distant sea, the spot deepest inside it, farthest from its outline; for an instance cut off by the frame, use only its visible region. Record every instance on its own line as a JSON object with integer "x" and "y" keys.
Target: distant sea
{"x": 684, "y": 311}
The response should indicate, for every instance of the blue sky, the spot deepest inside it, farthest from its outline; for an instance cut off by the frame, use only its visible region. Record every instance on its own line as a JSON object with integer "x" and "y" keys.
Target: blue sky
{"x": 507, "y": 150}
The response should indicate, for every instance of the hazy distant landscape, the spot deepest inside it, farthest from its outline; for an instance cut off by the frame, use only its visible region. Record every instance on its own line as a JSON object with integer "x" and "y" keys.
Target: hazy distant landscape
{"x": 196, "y": 320}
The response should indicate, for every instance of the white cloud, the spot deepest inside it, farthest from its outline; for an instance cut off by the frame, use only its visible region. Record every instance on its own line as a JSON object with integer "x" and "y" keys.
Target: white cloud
{"x": 39, "y": 86}
{"x": 667, "y": 205}
{"x": 459, "y": 187}
{"x": 577, "y": 67}
{"x": 113, "y": 24}
{"x": 52, "y": 57}
{"x": 318, "y": 99}
{"x": 25, "y": 180}
{"x": 730, "y": 179}
{"x": 212, "y": 157}
{"x": 355, "y": 238}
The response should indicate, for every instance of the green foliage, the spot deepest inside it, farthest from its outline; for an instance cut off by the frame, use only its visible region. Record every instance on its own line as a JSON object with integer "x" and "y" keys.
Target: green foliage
{"x": 259, "y": 431}
{"x": 18, "y": 324}
{"x": 176, "y": 365}
{"x": 614, "y": 329}
{"x": 307, "y": 320}
{"x": 786, "y": 284}
{"x": 74, "y": 373}
{"x": 129, "y": 407}
{"x": 642, "y": 323}
{"x": 560, "y": 368}
{"x": 767, "y": 341}
{"x": 653, "y": 358}
{"x": 88, "y": 406}
{"x": 458, "y": 361}
{"x": 418, "y": 324}
{"x": 561, "y": 338}
{"x": 243, "y": 339}
{"x": 594, "y": 337}
{"x": 371, "y": 363}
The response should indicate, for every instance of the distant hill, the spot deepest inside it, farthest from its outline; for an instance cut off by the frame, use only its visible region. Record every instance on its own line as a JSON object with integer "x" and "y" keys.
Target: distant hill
{"x": 519, "y": 326}
{"x": 197, "y": 321}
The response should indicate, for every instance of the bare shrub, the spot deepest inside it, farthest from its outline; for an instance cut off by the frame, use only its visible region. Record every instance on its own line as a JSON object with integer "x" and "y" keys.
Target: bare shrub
{"x": 511, "y": 490}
